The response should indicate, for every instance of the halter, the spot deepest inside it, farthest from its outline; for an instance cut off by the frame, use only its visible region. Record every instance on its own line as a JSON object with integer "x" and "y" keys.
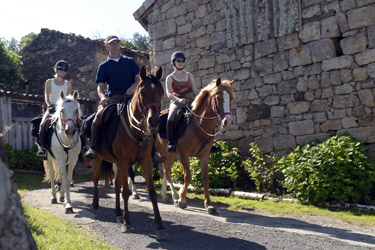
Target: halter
{"x": 142, "y": 108}
{"x": 215, "y": 108}
{"x": 63, "y": 122}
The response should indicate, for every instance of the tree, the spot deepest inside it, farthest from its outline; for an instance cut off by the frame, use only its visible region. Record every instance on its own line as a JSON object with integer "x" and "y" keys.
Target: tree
{"x": 11, "y": 77}
{"x": 26, "y": 40}
{"x": 140, "y": 42}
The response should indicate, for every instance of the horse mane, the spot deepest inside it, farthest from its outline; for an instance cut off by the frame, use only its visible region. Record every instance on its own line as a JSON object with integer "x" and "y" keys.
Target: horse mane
{"x": 59, "y": 104}
{"x": 210, "y": 90}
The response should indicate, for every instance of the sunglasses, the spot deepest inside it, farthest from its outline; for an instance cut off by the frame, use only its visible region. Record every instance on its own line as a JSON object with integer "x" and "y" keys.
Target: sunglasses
{"x": 180, "y": 61}
{"x": 61, "y": 69}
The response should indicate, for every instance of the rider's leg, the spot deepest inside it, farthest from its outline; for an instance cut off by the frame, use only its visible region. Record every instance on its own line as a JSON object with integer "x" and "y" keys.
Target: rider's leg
{"x": 171, "y": 146}
{"x": 94, "y": 140}
{"x": 42, "y": 140}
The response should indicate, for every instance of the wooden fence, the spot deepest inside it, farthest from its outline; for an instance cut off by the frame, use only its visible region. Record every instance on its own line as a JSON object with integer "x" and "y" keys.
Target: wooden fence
{"x": 16, "y": 112}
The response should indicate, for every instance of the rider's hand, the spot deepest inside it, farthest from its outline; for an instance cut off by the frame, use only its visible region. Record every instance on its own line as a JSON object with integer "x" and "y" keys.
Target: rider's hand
{"x": 103, "y": 102}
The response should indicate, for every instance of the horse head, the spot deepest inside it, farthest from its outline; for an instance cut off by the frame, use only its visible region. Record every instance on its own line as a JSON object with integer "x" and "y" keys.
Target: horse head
{"x": 222, "y": 100}
{"x": 149, "y": 94}
{"x": 68, "y": 112}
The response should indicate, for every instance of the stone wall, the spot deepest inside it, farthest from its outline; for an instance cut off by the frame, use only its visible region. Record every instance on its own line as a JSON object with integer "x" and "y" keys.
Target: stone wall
{"x": 290, "y": 90}
{"x": 82, "y": 54}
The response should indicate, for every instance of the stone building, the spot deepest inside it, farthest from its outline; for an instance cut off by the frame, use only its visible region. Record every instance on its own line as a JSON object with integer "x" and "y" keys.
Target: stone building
{"x": 305, "y": 68}
{"x": 83, "y": 55}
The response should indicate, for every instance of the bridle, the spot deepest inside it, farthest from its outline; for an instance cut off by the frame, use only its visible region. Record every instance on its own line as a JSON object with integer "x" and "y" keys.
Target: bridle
{"x": 218, "y": 115}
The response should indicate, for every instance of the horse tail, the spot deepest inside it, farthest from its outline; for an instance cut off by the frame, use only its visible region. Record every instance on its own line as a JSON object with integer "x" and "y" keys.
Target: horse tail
{"x": 47, "y": 177}
{"x": 106, "y": 170}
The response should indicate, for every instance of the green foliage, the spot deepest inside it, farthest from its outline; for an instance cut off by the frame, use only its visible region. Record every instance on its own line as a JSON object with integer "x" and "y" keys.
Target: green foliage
{"x": 264, "y": 171}
{"x": 23, "y": 159}
{"x": 335, "y": 171}
{"x": 138, "y": 42}
{"x": 26, "y": 40}
{"x": 223, "y": 169}
{"x": 11, "y": 77}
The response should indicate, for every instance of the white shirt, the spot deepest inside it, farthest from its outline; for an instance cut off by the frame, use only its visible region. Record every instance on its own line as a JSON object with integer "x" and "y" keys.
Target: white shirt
{"x": 55, "y": 90}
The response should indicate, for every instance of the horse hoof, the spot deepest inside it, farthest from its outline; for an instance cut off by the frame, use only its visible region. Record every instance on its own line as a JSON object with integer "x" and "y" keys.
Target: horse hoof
{"x": 62, "y": 199}
{"x": 135, "y": 196}
{"x": 211, "y": 210}
{"x": 69, "y": 210}
{"x": 94, "y": 206}
{"x": 127, "y": 229}
{"x": 72, "y": 184}
{"x": 119, "y": 219}
{"x": 161, "y": 234}
{"x": 54, "y": 201}
{"x": 182, "y": 205}
{"x": 176, "y": 203}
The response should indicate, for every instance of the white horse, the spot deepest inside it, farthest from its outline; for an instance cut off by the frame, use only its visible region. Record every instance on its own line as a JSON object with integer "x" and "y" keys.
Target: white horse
{"x": 65, "y": 147}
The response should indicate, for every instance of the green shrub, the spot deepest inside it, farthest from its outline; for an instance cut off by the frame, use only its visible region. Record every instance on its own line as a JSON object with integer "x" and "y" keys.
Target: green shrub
{"x": 264, "y": 171}
{"x": 25, "y": 159}
{"x": 335, "y": 171}
{"x": 224, "y": 169}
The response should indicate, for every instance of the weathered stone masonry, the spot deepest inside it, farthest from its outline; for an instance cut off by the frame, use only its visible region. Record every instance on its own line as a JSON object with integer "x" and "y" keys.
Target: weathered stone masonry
{"x": 312, "y": 81}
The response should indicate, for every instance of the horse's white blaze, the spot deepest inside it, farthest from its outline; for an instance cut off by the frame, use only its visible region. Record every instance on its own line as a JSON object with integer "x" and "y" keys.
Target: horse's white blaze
{"x": 226, "y": 107}
{"x": 152, "y": 85}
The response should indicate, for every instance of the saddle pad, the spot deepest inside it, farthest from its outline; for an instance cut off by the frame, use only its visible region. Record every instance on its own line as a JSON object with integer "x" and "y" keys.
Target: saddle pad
{"x": 180, "y": 125}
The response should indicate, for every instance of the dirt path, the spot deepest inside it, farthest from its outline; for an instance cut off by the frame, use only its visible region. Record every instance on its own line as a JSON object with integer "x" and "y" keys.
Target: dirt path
{"x": 193, "y": 228}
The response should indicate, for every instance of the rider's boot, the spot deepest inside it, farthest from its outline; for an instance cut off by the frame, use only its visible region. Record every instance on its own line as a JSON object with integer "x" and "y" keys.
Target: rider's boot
{"x": 156, "y": 158}
{"x": 42, "y": 151}
{"x": 95, "y": 136}
{"x": 171, "y": 146}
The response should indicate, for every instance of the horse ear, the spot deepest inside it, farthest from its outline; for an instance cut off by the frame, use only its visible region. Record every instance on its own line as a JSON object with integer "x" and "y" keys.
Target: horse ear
{"x": 232, "y": 82}
{"x": 143, "y": 72}
{"x": 218, "y": 81}
{"x": 159, "y": 73}
{"x": 62, "y": 94}
{"x": 75, "y": 95}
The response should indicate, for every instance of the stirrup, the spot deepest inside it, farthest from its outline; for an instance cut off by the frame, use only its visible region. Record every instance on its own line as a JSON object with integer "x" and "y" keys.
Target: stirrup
{"x": 171, "y": 148}
{"x": 158, "y": 159}
{"x": 91, "y": 153}
{"x": 42, "y": 152}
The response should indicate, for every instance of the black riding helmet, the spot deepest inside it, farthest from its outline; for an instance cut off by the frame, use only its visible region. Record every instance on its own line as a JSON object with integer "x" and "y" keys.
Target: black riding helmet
{"x": 61, "y": 64}
{"x": 175, "y": 55}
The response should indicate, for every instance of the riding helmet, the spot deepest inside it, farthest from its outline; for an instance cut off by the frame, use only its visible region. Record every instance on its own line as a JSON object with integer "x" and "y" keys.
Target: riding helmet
{"x": 61, "y": 64}
{"x": 177, "y": 54}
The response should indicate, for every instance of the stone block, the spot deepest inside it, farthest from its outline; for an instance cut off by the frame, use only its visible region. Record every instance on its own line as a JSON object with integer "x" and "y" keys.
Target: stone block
{"x": 335, "y": 77}
{"x": 330, "y": 28}
{"x": 331, "y": 125}
{"x": 363, "y": 134}
{"x": 320, "y": 105}
{"x": 342, "y": 21}
{"x": 371, "y": 36}
{"x": 287, "y": 87}
{"x": 277, "y": 111}
{"x": 300, "y": 56}
{"x": 265, "y": 48}
{"x": 284, "y": 142}
{"x": 360, "y": 74}
{"x": 307, "y": 139}
{"x": 347, "y": 5}
{"x": 164, "y": 29}
{"x": 345, "y": 101}
{"x": 310, "y": 32}
{"x": 354, "y": 44}
{"x": 305, "y": 127}
{"x": 265, "y": 90}
{"x": 280, "y": 61}
{"x": 265, "y": 144}
{"x": 261, "y": 67}
{"x": 342, "y": 62}
{"x": 272, "y": 100}
{"x": 362, "y": 17}
{"x": 349, "y": 122}
{"x": 287, "y": 42}
{"x": 312, "y": 82}
{"x": 296, "y": 108}
{"x": 366, "y": 97}
{"x": 311, "y": 11}
{"x": 322, "y": 49}
{"x": 242, "y": 74}
{"x": 346, "y": 75}
{"x": 343, "y": 89}
{"x": 365, "y": 57}
{"x": 371, "y": 70}
{"x": 258, "y": 111}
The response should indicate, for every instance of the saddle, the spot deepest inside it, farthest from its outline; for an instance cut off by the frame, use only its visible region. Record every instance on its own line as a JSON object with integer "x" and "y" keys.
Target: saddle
{"x": 179, "y": 124}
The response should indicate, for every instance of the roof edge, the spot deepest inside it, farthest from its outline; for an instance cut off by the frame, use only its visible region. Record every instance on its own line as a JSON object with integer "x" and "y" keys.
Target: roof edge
{"x": 141, "y": 14}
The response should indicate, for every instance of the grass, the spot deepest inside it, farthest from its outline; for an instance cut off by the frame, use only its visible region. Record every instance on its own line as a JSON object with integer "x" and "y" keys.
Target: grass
{"x": 52, "y": 232}
{"x": 354, "y": 216}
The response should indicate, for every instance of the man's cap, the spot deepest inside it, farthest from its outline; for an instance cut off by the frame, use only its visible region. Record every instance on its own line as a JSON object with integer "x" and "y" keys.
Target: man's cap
{"x": 111, "y": 39}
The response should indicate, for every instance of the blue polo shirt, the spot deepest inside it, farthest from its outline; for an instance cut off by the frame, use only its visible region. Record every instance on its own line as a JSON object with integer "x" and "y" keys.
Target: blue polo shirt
{"x": 119, "y": 75}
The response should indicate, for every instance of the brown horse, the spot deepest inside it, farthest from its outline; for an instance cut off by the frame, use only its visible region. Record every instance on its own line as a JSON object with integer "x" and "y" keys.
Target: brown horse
{"x": 133, "y": 143}
{"x": 213, "y": 102}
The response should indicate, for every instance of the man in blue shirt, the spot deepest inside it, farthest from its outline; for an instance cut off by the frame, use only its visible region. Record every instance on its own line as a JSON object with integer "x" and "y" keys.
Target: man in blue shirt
{"x": 119, "y": 75}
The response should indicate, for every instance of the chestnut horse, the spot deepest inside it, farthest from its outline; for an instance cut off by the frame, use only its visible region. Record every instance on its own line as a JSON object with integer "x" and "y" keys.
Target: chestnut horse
{"x": 132, "y": 143}
{"x": 213, "y": 102}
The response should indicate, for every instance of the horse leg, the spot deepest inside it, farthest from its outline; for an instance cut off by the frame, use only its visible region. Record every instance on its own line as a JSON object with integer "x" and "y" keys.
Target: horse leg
{"x": 123, "y": 173}
{"x": 65, "y": 185}
{"x": 51, "y": 171}
{"x": 187, "y": 181}
{"x": 167, "y": 166}
{"x": 147, "y": 168}
{"x": 117, "y": 195}
{"x": 205, "y": 179}
{"x": 95, "y": 178}
{"x": 132, "y": 182}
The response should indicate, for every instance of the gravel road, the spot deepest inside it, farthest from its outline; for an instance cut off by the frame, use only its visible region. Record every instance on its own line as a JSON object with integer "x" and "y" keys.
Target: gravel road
{"x": 192, "y": 228}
